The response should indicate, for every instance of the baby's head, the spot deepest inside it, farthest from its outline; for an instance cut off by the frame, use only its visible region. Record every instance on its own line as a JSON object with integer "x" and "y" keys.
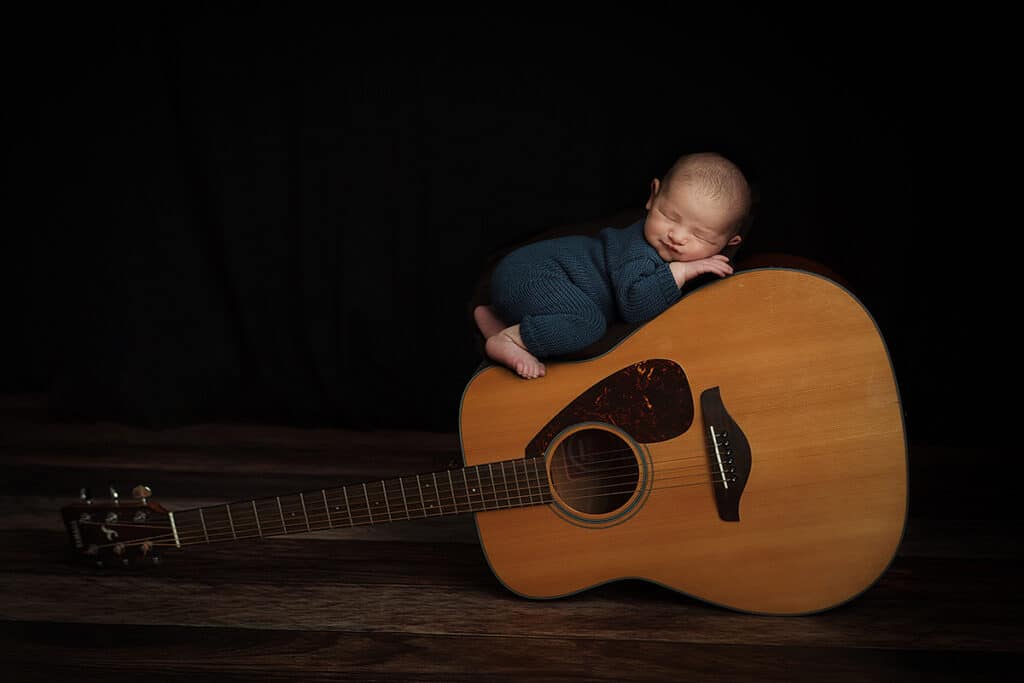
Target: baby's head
{"x": 698, "y": 209}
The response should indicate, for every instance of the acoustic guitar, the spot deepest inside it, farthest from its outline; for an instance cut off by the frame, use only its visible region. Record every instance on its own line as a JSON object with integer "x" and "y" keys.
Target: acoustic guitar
{"x": 746, "y": 448}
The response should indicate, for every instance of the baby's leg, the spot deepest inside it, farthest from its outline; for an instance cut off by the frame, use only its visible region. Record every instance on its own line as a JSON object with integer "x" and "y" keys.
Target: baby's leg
{"x": 507, "y": 347}
{"x": 487, "y": 321}
{"x": 554, "y": 316}
{"x": 504, "y": 345}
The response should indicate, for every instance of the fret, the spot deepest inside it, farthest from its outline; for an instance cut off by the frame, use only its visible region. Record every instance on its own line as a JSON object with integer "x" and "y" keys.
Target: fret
{"x": 529, "y": 490}
{"x": 466, "y": 481}
{"x": 404, "y": 501}
{"x": 208, "y": 530}
{"x": 302, "y": 499}
{"x": 515, "y": 479}
{"x": 202, "y": 519}
{"x": 455, "y": 503}
{"x": 387, "y": 506}
{"x": 327, "y": 509}
{"x": 437, "y": 492}
{"x": 183, "y": 529}
{"x": 347, "y": 507}
{"x": 268, "y": 522}
{"x": 423, "y": 501}
{"x": 174, "y": 529}
{"x": 494, "y": 489}
{"x": 366, "y": 494}
{"x": 231, "y": 522}
{"x": 256, "y": 516}
{"x": 217, "y": 528}
{"x": 479, "y": 481}
{"x": 280, "y": 511}
{"x": 540, "y": 486}
{"x": 241, "y": 523}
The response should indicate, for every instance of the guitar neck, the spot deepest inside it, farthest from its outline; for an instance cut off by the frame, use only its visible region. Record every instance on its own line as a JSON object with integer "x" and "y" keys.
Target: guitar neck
{"x": 493, "y": 486}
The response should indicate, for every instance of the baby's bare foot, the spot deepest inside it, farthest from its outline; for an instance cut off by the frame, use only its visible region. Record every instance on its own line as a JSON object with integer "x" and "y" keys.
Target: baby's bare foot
{"x": 488, "y": 321}
{"x": 504, "y": 349}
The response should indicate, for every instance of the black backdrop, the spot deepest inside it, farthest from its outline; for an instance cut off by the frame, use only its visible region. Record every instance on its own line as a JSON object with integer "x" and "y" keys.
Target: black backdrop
{"x": 251, "y": 213}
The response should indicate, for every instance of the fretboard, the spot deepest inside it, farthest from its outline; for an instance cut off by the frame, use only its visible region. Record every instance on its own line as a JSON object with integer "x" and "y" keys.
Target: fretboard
{"x": 481, "y": 488}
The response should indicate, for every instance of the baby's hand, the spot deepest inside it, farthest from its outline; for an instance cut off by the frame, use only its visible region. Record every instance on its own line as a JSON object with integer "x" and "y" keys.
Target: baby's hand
{"x": 717, "y": 264}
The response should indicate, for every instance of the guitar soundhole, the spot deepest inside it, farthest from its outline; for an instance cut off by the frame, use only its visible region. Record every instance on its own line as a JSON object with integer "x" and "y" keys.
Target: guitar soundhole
{"x": 594, "y": 471}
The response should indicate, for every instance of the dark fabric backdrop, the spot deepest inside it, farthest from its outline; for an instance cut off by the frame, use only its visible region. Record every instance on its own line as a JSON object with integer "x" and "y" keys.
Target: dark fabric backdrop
{"x": 245, "y": 212}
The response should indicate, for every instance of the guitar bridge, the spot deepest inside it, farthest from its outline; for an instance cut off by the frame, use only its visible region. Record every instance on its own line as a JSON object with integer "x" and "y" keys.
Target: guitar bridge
{"x": 728, "y": 455}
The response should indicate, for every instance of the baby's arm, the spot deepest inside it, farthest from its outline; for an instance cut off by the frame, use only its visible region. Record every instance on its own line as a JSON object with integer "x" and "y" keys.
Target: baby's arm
{"x": 643, "y": 289}
{"x": 684, "y": 271}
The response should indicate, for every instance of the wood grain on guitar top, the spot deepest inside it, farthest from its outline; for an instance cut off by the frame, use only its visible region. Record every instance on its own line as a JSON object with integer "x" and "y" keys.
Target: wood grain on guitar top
{"x": 804, "y": 372}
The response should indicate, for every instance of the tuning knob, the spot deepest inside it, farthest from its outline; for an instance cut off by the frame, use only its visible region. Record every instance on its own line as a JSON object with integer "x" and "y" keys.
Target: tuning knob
{"x": 142, "y": 492}
{"x": 113, "y": 493}
{"x": 85, "y": 496}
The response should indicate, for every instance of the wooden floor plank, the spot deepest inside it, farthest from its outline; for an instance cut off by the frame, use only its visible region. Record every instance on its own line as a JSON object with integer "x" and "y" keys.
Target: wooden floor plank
{"x": 40, "y": 651}
{"x": 447, "y": 589}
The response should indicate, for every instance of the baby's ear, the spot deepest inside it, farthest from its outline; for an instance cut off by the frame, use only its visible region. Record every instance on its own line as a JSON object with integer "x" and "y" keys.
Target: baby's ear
{"x": 733, "y": 241}
{"x": 655, "y": 185}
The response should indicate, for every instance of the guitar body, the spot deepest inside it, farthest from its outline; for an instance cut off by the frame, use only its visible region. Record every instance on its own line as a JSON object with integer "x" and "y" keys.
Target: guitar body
{"x": 806, "y": 388}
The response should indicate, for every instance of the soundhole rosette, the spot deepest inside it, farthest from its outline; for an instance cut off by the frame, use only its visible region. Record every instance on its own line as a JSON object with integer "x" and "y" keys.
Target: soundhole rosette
{"x": 599, "y": 475}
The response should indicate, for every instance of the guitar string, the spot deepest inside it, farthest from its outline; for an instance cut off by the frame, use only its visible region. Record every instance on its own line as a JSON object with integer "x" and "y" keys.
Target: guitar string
{"x": 194, "y": 535}
{"x": 359, "y": 513}
{"x": 363, "y": 515}
{"x": 245, "y": 531}
{"x": 367, "y": 514}
{"x": 167, "y": 539}
{"x": 459, "y": 492}
{"x": 459, "y": 495}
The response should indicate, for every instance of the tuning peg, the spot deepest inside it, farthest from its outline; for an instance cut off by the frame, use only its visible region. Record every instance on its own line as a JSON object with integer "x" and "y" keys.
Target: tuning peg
{"x": 113, "y": 493}
{"x": 142, "y": 492}
{"x": 85, "y": 496}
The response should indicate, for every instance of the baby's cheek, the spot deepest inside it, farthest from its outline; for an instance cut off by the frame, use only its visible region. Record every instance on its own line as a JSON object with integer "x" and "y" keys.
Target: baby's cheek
{"x": 657, "y": 246}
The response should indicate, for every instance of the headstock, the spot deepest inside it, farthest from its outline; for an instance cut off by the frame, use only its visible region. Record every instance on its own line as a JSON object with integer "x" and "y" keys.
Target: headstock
{"x": 118, "y": 533}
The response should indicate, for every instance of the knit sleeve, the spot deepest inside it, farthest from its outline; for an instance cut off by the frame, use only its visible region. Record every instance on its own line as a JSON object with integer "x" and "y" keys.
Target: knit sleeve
{"x": 643, "y": 288}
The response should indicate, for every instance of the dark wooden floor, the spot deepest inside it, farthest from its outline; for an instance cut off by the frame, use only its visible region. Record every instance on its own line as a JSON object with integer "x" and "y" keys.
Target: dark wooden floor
{"x": 416, "y": 600}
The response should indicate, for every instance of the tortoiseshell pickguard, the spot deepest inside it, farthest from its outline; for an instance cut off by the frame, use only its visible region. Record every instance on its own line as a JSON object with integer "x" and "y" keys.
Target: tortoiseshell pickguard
{"x": 650, "y": 400}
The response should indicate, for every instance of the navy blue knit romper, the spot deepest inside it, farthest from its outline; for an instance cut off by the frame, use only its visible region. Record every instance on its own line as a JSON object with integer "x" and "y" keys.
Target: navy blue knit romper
{"x": 563, "y": 292}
